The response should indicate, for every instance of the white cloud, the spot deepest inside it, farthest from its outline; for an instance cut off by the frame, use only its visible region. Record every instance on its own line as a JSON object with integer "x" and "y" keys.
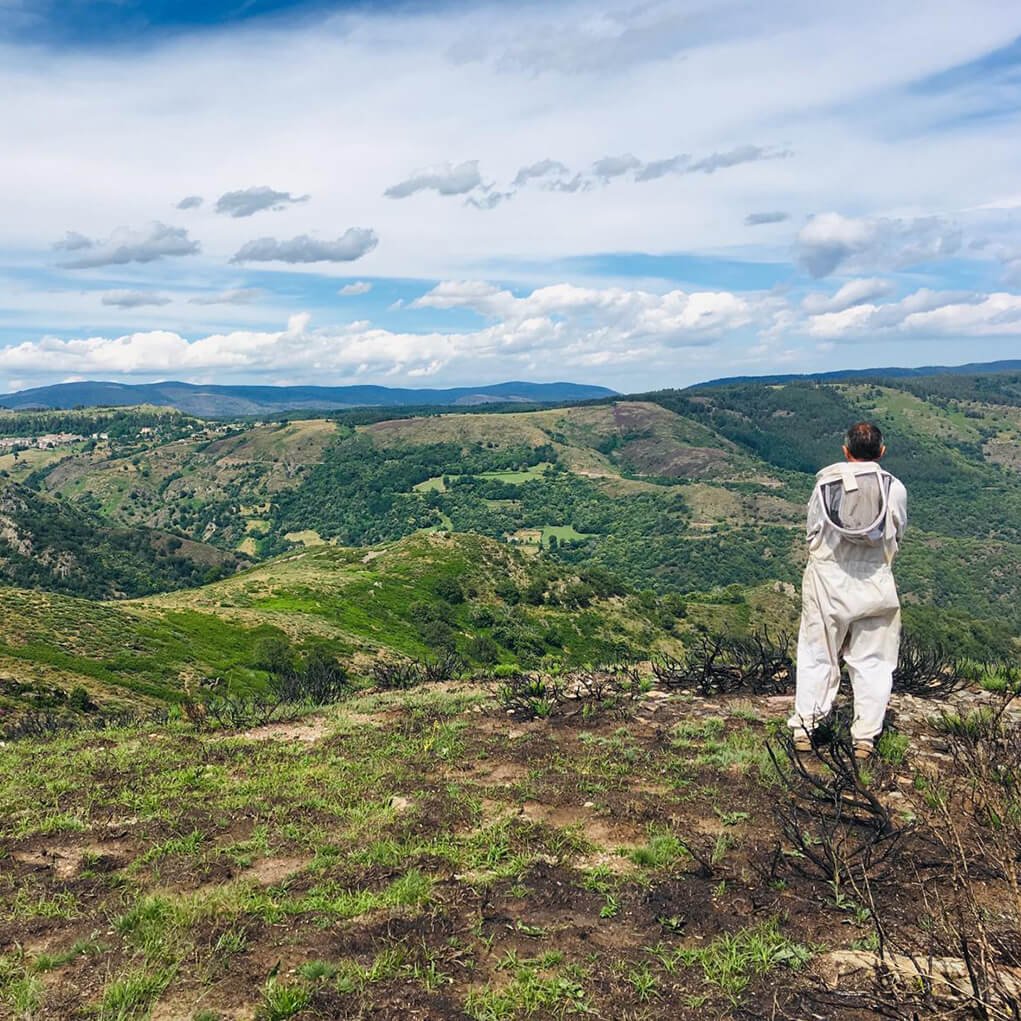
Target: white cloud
{"x": 854, "y": 292}
{"x": 543, "y": 169}
{"x": 611, "y": 167}
{"x": 734, "y": 157}
{"x": 758, "y": 219}
{"x": 924, "y": 313}
{"x": 186, "y": 116}
{"x": 125, "y": 245}
{"x": 597, "y": 41}
{"x": 133, "y": 299}
{"x": 250, "y": 201}
{"x": 1012, "y": 271}
{"x": 608, "y": 167}
{"x": 994, "y": 315}
{"x": 446, "y": 179}
{"x": 355, "y": 288}
{"x": 562, "y": 325}
{"x": 660, "y": 168}
{"x": 190, "y": 202}
{"x": 675, "y": 318}
{"x": 234, "y": 296}
{"x": 488, "y": 198}
{"x": 830, "y": 241}
{"x": 352, "y": 244}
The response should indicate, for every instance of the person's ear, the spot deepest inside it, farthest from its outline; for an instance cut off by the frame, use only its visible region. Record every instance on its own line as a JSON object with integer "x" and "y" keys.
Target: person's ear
{"x": 847, "y": 454}
{"x": 882, "y": 451}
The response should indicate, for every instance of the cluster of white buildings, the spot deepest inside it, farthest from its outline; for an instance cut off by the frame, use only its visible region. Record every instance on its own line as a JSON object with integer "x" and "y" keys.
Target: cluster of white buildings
{"x": 47, "y": 442}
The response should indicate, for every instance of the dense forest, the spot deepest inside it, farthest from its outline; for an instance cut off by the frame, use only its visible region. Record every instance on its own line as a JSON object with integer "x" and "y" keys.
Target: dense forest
{"x": 800, "y": 426}
{"x": 51, "y": 545}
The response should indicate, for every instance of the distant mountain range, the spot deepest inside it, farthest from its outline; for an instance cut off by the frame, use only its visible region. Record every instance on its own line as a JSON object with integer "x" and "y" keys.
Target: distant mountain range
{"x": 891, "y": 372}
{"x": 222, "y": 401}
{"x": 215, "y": 401}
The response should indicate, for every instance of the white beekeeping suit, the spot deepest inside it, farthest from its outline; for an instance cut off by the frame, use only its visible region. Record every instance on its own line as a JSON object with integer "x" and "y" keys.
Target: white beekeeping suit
{"x": 850, "y": 609}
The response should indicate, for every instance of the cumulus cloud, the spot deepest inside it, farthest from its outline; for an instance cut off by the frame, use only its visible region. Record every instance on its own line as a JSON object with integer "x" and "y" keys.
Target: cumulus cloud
{"x": 250, "y": 201}
{"x": 352, "y": 244}
{"x": 133, "y": 299}
{"x": 541, "y": 170}
{"x": 610, "y": 167}
{"x": 924, "y": 313}
{"x": 854, "y": 292}
{"x": 758, "y": 219}
{"x": 488, "y": 198}
{"x": 578, "y": 326}
{"x": 446, "y": 179}
{"x": 479, "y": 295}
{"x": 125, "y": 245}
{"x": 190, "y": 202}
{"x": 829, "y": 241}
{"x": 677, "y": 318}
{"x": 734, "y": 157}
{"x": 234, "y": 296}
{"x": 355, "y": 288}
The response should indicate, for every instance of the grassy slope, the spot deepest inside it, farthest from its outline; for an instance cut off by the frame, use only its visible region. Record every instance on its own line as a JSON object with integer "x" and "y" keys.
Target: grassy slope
{"x": 418, "y": 854}
{"x": 625, "y": 437}
{"x": 231, "y": 859}
{"x": 356, "y": 602}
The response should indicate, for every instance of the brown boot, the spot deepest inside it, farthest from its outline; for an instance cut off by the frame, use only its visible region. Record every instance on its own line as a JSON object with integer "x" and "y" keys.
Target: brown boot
{"x": 863, "y": 749}
{"x": 803, "y": 742}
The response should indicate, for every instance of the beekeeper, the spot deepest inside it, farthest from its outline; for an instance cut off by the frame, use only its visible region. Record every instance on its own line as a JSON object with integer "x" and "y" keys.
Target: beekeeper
{"x": 849, "y": 604}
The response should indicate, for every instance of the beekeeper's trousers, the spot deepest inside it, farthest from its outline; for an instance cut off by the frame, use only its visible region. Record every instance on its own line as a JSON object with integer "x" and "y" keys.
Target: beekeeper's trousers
{"x": 849, "y": 610}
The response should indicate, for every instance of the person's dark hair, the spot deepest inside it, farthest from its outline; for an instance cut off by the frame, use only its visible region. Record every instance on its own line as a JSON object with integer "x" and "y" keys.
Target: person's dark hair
{"x": 864, "y": 441}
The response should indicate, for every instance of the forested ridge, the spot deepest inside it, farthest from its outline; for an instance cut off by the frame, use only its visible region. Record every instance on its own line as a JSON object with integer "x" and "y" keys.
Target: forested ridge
{"x": 684, "y": 492}
{"x": 49, "y": 544}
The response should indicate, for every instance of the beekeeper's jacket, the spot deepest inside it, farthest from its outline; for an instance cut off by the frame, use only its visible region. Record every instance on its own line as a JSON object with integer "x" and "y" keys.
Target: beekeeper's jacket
{"x": 857, "y": 513}
{"x": 850, "y": 610}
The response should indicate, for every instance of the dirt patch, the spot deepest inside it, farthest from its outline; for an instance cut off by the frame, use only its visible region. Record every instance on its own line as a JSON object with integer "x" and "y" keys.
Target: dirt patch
{"x": 271, "y": 871}
{"x": 66, "y": 861}
{"x": 309, "y": 730}
{"x": 380, "y": 719}
{"x": 497, "y": 774}
{"x": 185, "y": 1006}
{"x": 597, "y": 830}
{"x": 478, "y": 865}
{"x": 493, "y": 811}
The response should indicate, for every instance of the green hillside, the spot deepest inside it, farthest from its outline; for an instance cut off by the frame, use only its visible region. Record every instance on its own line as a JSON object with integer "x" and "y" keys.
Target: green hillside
{"x": 422, "y": 597}
{"x": 59, "y": 546}
{"x": 674, "y": 491}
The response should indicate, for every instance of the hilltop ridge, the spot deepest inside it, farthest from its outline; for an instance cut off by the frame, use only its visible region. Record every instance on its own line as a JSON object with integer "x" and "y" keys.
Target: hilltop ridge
{"x": 218, "y": 401}
{"x": 887, "y": 372}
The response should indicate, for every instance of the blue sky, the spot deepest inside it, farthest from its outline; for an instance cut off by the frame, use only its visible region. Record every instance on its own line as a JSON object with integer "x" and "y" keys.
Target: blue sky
{"x": 416, "y": 194}
{"x": 106, "y": 23}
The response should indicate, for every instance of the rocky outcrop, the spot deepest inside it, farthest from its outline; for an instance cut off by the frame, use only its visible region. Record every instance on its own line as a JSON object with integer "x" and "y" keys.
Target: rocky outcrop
{"x": 945, "y": 979}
